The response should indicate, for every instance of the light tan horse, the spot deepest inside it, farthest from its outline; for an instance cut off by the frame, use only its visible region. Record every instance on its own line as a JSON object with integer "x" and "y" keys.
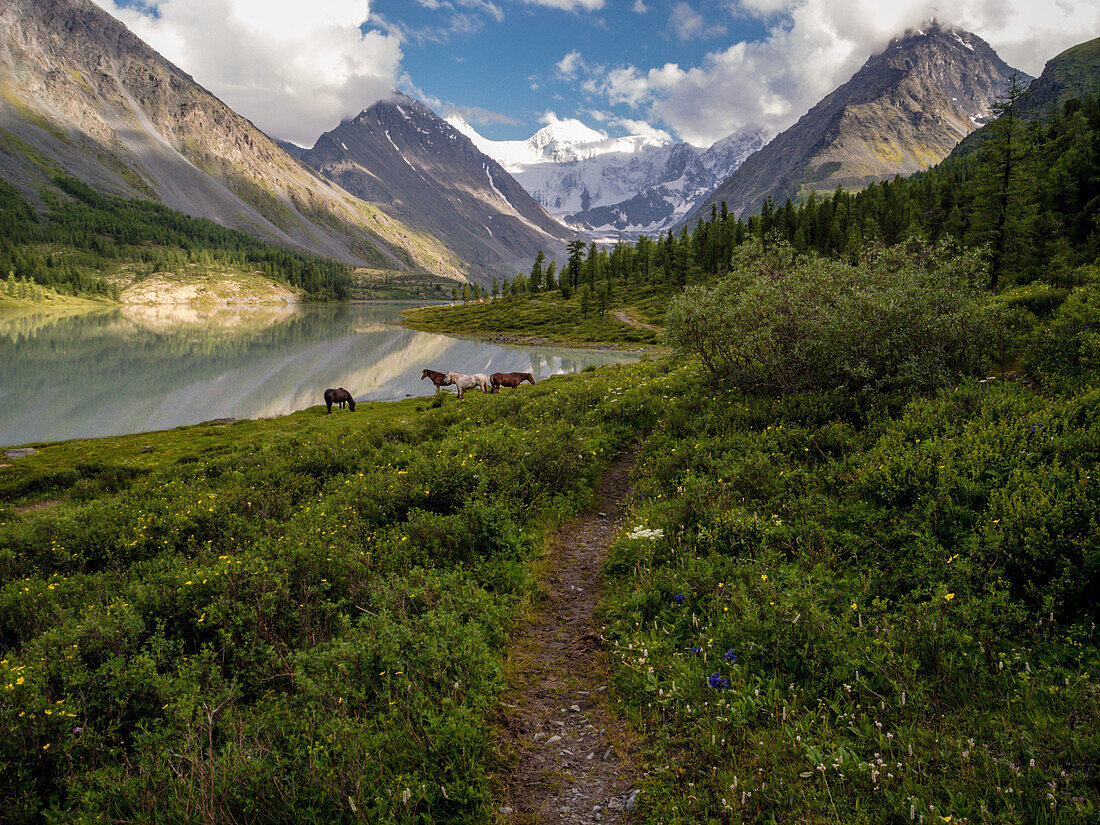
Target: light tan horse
{"x": 467, "y": 382}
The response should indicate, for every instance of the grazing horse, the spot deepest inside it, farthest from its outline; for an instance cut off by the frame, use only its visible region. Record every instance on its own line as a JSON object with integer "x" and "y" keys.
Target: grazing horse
{"x": 509, "y": 379}
{"x": 339, "y": 397}
{"x": 468, "y": 382}
{"x": 438, "y": 378}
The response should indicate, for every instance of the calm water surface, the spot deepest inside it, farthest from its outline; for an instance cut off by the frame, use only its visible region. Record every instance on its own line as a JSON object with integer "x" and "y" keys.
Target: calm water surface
{"x": 150, "y": 368}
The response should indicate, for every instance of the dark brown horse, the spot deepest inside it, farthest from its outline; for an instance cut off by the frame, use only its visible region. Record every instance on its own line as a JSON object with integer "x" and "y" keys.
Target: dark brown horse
{"x": 339, "y": 397}
{"x": 438, "y": 378}
{"x": 509, "y": 379}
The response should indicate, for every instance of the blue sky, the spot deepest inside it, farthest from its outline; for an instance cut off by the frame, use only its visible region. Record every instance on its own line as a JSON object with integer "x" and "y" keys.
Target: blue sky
{"x": 508, "y": 63}
{"x": 697, "y": 70}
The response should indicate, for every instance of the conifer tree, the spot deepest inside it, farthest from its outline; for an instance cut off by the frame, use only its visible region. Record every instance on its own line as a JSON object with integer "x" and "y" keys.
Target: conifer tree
{"x": 534, "y": 284}
{"x": 996, "y": 219}
{"x": 576, "y": 261}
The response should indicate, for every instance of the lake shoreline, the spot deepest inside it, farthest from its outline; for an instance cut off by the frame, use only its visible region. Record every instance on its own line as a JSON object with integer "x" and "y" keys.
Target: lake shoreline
{"x": 130, "y": 369}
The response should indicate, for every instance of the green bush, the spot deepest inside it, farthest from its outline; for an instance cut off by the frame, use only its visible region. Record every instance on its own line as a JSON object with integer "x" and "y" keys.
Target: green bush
{"x": 840, "y": 607}
{"x": 782, "y": 323}
{"x": 1066, "y": 350}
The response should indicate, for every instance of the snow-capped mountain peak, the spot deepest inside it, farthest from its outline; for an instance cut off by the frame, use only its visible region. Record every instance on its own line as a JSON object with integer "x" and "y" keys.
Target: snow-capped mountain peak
{"x": 566, "y": 140}
{"x": 604, "y": 185}
{"x": 568, "y": 132}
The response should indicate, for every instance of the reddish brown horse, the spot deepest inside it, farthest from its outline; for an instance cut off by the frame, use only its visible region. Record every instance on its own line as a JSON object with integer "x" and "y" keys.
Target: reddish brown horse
{"x": 509, "y": 379}
{"x": 438, "y": 378}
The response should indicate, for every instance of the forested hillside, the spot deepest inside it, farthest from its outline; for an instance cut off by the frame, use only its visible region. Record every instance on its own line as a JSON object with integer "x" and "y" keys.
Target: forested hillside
{"x": 87, "y": 237}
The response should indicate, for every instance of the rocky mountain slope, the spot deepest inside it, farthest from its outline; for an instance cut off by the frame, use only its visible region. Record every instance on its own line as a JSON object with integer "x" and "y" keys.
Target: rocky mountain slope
{"x": 81, "y": 95}
{"x": 604, "y": 185}
{"x": 671, "y": 192}
{"x": 400, "y": 154}
{"x": 1073, "y": 73}
{"x": 903, "y": 111}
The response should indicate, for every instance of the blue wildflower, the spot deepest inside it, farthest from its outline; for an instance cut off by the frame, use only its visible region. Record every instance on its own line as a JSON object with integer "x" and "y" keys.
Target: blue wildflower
{"x": 697, "y": 650}
{"x": 1036, "y": 427}
{"x": 718, "y": 681}
{"x": 678, "y": 598}
{"x": 729, "y": 656}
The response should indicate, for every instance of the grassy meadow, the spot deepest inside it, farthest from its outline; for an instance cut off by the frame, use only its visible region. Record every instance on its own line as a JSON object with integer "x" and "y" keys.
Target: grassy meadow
{"x": 549, "y": 317}
{"x": 300, "y": 619}
{"x": 838, "y": 609}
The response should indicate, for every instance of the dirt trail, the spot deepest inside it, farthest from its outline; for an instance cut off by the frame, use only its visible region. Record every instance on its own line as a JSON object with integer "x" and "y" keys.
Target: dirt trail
{"x": 630, "y": 320}
{"x": 574, "y": 760}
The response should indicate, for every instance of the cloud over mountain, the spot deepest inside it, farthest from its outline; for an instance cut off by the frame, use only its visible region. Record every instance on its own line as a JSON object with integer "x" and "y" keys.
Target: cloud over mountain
{"x": 293, "y": 68}
{"x": 810, "y": 48}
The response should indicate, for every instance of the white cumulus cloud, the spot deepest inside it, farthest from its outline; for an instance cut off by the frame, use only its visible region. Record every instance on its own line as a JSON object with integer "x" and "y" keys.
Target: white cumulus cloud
{"x": 570, "y": 65}
{"x": 294, "y": 69}
{"x": 813, "y": 46}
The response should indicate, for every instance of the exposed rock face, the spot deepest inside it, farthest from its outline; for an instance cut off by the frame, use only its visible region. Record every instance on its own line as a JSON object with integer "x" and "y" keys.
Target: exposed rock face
{"x": 1073, "y": 73}
{"x": 903, "y": 111}
{"x": 80, "y": 93}
{"x": 399, "y": 154}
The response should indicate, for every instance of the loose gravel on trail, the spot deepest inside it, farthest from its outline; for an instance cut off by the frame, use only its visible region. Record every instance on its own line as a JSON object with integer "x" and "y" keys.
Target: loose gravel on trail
{"x": 574, "y": 760}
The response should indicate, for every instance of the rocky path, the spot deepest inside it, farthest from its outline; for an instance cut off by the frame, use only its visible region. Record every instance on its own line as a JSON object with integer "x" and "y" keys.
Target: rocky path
{"x": 574, "y": 760}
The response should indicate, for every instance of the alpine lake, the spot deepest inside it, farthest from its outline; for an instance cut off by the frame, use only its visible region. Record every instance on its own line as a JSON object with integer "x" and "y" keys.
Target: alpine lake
{"x": 142, "y": 368}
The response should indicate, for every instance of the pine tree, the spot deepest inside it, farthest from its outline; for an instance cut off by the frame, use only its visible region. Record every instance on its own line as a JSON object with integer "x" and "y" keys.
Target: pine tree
{"x": 576, "y": 261}
{"x": 996, "y": 219}
{"x": 534, "y": 284}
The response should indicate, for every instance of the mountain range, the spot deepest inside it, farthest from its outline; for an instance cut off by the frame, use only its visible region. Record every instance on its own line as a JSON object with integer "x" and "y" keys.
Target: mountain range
{"x": 399, "y": 188}
{"x": 401, "y": 155}
{"x": 82, "y": 96}
{"x": 903, "y": 111}
{"x": 606, "y": 186}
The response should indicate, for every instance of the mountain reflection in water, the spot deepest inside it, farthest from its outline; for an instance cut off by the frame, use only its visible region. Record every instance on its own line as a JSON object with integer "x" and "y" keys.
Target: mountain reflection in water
{"x": 139, "y": 369}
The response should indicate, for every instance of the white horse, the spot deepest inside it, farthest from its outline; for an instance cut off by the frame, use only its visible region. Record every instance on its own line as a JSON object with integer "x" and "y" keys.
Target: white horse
{"x": 468, "y": 382}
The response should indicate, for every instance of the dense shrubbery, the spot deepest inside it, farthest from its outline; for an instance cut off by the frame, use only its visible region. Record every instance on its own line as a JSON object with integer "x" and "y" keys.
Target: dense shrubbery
{"x": 296, "y": 620}
{"x": 899, "y": 319}
{"x": 862, "y": 609}
{"x": 1066, "y": 349}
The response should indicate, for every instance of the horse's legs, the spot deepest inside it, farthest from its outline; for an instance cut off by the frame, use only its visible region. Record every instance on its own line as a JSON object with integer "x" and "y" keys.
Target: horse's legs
{"x": 329, "y": 405}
